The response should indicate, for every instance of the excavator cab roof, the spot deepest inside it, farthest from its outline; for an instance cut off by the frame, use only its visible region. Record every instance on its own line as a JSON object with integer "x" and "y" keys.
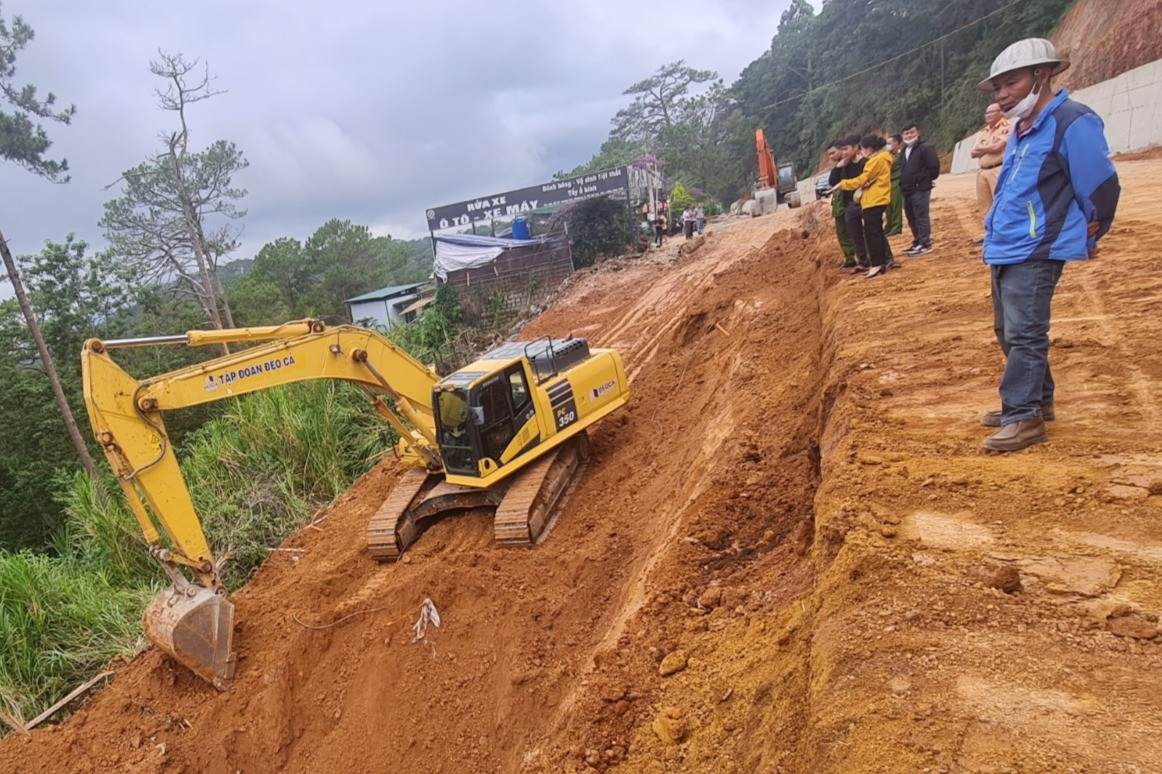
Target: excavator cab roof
{"x": 545, "y": 356}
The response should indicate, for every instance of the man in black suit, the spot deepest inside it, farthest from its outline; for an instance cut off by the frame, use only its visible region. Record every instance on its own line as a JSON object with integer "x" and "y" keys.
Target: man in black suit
{"x": 921, "y": 168}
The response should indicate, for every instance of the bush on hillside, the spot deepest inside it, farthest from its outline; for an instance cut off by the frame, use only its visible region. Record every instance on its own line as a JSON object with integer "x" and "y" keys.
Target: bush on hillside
{"x": 598, "y": 228}
{"x": 680, "y": 199}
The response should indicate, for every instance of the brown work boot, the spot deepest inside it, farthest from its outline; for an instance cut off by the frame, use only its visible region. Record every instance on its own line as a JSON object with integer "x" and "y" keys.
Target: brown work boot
{"x": 1017, "y": 435}
{"x": 993, "y": 418}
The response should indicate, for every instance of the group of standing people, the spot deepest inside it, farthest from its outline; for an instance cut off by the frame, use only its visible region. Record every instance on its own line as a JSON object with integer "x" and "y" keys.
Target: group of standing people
{"x": 874, "y": 181}
{"x": 693, "y": 220}
{"x": 1047, "y": 192}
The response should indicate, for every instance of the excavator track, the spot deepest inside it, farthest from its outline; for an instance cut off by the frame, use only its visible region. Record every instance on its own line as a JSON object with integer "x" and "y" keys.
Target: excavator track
{"x": 417, "y": 496}
{"x": 522, "y": 507}
{"x": 531, "y": 498}
{"x": 384, "y": 539}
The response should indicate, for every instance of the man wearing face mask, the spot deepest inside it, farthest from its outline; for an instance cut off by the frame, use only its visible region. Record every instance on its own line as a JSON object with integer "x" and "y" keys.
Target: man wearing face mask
{"x": 989, "y": 150}
{"x": 1056, "y": 196}
{"x": 920, "y": 168}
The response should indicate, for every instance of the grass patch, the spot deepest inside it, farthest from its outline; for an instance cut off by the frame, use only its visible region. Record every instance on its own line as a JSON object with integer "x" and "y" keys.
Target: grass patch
{"x": 256, "y": 473}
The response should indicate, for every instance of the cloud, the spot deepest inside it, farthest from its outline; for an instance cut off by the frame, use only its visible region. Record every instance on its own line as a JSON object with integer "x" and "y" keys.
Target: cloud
{"x": 354, "y": 109}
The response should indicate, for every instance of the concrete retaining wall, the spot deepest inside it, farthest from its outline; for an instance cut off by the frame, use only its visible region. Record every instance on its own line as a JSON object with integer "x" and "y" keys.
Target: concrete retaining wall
{"x": 1130, "y": 105}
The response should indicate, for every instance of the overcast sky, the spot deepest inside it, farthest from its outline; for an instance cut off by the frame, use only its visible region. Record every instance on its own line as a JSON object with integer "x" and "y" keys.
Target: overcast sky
{"x": 354, "y": 109}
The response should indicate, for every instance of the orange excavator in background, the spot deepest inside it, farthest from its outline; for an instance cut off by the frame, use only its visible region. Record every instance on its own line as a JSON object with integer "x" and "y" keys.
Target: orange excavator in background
{"x": 777, "y": 184}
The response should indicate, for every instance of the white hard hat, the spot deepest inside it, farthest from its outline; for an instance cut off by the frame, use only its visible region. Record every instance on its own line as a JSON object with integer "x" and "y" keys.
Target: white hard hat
{"x": 1029, "y": 52}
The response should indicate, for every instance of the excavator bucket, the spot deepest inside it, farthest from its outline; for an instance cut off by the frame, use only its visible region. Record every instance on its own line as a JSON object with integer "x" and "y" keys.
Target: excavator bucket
{"x": 196, "y": 628}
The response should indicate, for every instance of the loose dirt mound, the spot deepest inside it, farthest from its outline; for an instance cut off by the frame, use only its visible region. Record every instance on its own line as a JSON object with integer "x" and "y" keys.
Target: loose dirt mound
{"x": 787, "y": 554}
{"x": 1105, "y": 38}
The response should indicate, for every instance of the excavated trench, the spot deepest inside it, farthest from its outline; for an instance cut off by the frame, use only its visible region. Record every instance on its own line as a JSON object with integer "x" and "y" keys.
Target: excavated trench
{"x": 726, "y": 586}
{"x": 689, "y": 540}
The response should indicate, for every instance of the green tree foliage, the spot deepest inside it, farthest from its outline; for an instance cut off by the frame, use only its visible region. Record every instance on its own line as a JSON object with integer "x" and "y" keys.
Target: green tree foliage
{"x": 658, "y": 103}
{"x": 680, "y": 199}
{"x": 849, "y": 68}
{"x": 447, "y": 302}
{"x": 688, "y": 121}
{"x": 615, "y": 152}
{"x": 811, "y": 84}
{"x": 149, "y": 227}
{"x": 291, "y": 279}
{"x": 22, "y": 140}
{"x": 25, "y": 142}
{"x": 77, "y": 295}
{"x": 599, "y": 227}
{"x": 175, "y": 217}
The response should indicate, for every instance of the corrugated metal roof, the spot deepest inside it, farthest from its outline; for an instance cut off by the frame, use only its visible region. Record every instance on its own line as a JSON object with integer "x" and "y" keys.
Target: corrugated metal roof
{"x": 376, "y": 295}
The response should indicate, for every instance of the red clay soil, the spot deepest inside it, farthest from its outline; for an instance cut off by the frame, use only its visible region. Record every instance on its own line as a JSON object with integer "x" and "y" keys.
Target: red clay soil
{"x": 1105, "y": 38}
{"x": 788, "y": 553}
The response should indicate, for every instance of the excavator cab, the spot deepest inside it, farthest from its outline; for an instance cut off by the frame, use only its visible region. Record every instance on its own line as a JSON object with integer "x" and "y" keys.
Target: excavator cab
{"x": 476, "y": 425}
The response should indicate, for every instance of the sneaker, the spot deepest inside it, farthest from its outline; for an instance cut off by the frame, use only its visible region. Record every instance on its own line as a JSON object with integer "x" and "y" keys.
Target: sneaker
{"x": 894, "y": 265}
{"x": 921, "y": 250}
{"x": 911, "y": 249}
{"x": 993, "y": 418}
{"x": 860, "y": 269}
{"x": 1017, "y": 435}
{"x": 875, "y": 271}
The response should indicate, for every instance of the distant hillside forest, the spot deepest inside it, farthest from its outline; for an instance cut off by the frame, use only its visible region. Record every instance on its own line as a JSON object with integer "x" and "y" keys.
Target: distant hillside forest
{"x": 850, "y": 66}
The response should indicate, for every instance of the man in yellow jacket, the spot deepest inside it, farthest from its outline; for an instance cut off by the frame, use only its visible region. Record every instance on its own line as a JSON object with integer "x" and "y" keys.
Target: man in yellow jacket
{"x": 875, "y": 185}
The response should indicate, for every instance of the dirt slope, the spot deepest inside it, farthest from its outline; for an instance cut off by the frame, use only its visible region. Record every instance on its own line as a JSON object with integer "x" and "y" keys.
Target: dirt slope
{"x": 1105, "y": 38}
{"x": 793, "y": 506}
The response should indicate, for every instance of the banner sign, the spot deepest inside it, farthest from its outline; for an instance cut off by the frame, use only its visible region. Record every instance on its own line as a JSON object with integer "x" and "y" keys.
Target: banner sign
{"x": 508, "y": 205}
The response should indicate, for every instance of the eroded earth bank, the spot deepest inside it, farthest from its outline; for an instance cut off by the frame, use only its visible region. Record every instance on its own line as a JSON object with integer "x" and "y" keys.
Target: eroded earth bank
{"x": 788, "y": 554}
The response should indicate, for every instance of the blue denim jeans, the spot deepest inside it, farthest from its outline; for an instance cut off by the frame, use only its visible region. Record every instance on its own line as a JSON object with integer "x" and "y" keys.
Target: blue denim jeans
{"x": 1022, "y": 293}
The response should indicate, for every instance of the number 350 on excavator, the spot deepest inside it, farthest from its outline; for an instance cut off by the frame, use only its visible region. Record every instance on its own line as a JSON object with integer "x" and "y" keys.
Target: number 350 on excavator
{"x": 505, "y": 433}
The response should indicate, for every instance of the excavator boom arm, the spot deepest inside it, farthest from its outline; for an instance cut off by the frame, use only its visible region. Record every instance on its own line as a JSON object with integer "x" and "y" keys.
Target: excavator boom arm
{"x": 126, "y": 413}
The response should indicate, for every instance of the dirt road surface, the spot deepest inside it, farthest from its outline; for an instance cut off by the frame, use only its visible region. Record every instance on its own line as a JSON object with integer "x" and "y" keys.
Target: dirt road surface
{"x": 788, "y": 554}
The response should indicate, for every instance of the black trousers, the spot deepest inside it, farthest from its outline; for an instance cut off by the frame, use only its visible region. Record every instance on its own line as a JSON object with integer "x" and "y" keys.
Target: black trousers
{"x": 919, "y": 221}
{"x": 853, "y": 219}
{"x": 873, "y": 232}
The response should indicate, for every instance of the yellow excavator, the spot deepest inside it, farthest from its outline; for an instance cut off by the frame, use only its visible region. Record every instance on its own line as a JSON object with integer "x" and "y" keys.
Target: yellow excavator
{"x": 506, "y": 432}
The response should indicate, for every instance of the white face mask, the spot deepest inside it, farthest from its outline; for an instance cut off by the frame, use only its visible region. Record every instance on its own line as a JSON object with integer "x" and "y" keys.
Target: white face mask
{"x": 1024, "y": 108}
{"x": 889, "y": 147}
{"x": 910, "y": 142}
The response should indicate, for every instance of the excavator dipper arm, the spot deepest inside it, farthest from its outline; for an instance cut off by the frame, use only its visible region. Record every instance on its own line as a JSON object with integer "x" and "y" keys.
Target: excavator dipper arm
{"x": 192, "y": 620}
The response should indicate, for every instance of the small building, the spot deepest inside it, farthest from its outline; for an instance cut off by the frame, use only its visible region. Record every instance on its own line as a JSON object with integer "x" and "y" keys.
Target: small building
{"x": 395, "y": 304}
{"x": 507, "y": 276}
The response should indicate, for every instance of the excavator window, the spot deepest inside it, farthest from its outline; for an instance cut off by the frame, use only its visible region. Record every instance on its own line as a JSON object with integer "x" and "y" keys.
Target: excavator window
{"x": 494, "y": 398}
{"x": 520, "y": 389}
{"x": 454, "y": 420}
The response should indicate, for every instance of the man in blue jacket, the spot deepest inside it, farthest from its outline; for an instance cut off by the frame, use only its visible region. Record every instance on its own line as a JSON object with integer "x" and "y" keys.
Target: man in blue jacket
{"x": 1055, "y": 197}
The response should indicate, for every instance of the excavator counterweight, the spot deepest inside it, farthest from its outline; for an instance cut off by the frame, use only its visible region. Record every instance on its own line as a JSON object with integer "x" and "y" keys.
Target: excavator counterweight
{"x": 507, "y": 432}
